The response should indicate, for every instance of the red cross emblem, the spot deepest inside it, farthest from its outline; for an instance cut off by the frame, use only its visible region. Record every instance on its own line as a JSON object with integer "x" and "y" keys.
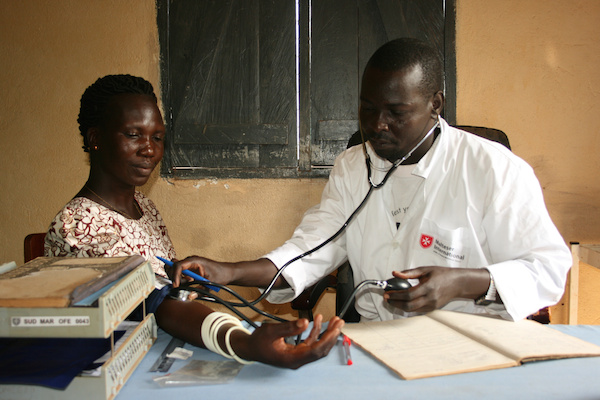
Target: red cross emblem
{"x": 426, "y": 241}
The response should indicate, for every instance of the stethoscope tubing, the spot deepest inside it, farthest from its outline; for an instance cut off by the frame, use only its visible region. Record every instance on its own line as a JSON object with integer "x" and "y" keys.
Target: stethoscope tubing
{"x": 211, "y": 297}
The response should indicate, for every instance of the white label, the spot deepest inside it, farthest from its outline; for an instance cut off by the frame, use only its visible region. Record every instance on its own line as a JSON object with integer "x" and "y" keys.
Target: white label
{"x": 42, "y": 322}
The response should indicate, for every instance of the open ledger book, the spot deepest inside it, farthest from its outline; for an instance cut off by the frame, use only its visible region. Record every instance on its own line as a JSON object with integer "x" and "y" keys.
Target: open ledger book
{"x": 446, "y": 342}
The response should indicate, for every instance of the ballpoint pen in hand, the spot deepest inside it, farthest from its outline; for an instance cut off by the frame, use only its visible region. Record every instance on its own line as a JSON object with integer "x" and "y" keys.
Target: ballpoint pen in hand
{"x": 190, "y": 274}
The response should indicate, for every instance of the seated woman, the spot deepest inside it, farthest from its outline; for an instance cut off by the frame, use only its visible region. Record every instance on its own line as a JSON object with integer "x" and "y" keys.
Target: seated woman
{"x": 123, "y": 131}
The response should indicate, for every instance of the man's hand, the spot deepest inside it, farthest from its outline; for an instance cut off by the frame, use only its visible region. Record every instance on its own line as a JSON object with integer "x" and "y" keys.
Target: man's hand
{"x": 209, "y": 269}
{"x": 437, "y": 287}
{"x": 257, "y": 273}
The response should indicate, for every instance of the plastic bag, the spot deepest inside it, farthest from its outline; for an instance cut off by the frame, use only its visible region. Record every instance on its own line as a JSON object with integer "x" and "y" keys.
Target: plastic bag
{"x": 201, "y": 372}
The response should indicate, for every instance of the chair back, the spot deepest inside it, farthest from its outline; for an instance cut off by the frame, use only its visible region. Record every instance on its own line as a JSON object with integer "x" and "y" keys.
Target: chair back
{"x": 34, "y": 246}
{"x": 495, "y": 135}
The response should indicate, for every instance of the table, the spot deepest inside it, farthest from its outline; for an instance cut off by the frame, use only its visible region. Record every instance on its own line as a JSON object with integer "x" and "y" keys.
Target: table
{"x": 330, "y": 378}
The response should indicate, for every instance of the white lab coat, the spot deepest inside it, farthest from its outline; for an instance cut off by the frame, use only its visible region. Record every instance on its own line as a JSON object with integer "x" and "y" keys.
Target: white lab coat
{"x": 479, "y": 206}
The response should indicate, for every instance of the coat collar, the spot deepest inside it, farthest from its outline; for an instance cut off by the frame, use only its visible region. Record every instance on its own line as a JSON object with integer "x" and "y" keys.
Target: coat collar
{"x": 424, "y": 167}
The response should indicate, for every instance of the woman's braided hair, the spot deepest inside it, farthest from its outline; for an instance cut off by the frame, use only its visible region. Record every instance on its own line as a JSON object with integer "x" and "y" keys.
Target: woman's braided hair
{"x": 97, "y": 96}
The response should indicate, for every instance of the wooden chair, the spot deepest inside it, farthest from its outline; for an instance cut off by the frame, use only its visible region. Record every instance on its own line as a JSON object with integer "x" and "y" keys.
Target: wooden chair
{"x": 586, "y": 256}
{"x": 343, "y": 281}
{"x": 33, "y": 246}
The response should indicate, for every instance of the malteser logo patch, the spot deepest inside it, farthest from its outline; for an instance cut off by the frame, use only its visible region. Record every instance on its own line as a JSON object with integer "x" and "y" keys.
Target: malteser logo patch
{"x": 426, "y": 241}
{"x": 449, "y": 252}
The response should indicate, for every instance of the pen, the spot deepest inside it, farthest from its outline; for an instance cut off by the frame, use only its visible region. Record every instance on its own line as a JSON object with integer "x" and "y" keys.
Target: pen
{"x": 346, "y": 343}
{"x": 190, "y": 274}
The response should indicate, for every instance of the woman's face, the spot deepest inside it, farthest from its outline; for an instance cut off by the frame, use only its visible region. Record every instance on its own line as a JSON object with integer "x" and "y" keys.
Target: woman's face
{"x": 131, "y": 140}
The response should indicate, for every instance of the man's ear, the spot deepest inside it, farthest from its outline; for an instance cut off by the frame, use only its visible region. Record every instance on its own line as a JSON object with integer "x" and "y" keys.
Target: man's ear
{"x": 437, "y": 104}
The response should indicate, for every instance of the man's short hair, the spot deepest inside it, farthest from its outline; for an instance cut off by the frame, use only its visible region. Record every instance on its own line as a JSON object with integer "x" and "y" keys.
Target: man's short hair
{"x": 405, "y": 53}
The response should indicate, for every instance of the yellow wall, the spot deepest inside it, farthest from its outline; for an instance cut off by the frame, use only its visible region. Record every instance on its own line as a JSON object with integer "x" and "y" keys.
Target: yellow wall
{"x": 523, "y": 66}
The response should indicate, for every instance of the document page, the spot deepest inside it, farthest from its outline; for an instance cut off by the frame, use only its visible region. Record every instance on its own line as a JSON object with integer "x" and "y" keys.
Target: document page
{"x": 419, "y": 347}
{"x": 523, "y": 340}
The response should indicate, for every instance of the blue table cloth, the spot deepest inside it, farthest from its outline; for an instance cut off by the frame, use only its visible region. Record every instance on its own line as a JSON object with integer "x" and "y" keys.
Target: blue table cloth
{"x": 367, "y": 378}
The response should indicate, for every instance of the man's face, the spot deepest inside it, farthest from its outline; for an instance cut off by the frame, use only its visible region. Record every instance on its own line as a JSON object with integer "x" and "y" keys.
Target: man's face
{"x": 394, "y": 113}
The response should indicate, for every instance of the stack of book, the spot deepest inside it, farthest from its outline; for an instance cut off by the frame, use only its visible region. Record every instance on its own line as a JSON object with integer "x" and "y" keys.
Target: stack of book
{"x": 58, "y": 318}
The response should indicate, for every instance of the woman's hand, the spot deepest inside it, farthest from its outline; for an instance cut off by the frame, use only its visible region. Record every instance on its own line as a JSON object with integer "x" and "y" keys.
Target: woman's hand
{"x": 267, "y": 344}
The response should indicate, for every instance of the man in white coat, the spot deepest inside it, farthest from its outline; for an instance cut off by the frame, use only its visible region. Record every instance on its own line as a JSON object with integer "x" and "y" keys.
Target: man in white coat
{"x": 461, "y": 217}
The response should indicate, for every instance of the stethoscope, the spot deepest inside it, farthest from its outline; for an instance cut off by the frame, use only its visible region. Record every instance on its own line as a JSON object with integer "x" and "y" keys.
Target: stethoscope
{"x": 208, "y": 296}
